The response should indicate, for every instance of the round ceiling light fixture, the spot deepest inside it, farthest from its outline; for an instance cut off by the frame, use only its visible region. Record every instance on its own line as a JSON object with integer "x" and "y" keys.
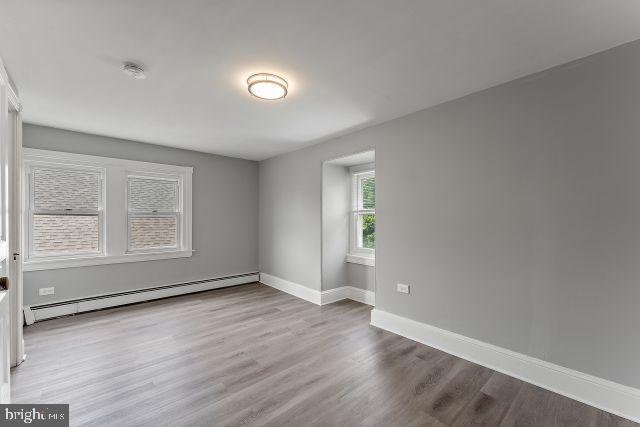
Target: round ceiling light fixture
{"x": 133, "y": 70}
{"x": 267, "y": 86}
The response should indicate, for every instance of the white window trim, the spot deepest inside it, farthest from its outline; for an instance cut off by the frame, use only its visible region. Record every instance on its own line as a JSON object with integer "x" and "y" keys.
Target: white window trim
{"x": 115, "y": 243}
{"x": 368, "y": 260}
{"x": 358, "y": 255}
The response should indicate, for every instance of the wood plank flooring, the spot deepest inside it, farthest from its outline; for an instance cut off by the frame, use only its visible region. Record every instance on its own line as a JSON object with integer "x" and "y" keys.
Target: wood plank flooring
{"x": 251, "y": 355}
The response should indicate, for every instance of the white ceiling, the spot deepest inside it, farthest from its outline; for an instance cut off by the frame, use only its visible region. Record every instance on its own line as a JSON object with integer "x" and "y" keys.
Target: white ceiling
{"x": 350, "y": 64}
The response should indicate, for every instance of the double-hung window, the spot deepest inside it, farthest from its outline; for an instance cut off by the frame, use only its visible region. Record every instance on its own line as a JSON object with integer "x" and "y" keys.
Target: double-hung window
{"x": 87, "y": 210}
{"x": 65, "y": 210}
{"x": 154, "y": 213}
{"x": 363, "y": 217}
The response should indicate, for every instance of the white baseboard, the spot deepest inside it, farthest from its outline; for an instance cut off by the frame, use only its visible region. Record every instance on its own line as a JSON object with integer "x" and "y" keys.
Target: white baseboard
{"x": 348, "y": 292}
{"x": 292, "y": 288}
{"x": 5, "y": 393}
{"x": 317, "y": 297}
{"x": 612, "y": 397}
{"x": 96, "y": 302}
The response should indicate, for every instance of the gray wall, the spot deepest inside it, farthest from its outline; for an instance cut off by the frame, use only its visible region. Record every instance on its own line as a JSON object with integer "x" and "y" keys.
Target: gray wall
{"x": 361, "y": 276}
{"x": 225, "y": 219}
{"x": 336, "y": 206}
{"x": 514, "y": 213}
{"x": 290, "y": 217}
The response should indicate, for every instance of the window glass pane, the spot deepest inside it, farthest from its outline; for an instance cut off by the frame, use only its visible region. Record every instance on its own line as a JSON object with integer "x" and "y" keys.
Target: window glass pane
{"x": 152, "y": 232}
{"x": 152, "y": 195}
{"x": 368, "y": 188}
{"x": 65, "y": 189}
{"x": 65, "y": 233}
{"x": 367, "y": 226}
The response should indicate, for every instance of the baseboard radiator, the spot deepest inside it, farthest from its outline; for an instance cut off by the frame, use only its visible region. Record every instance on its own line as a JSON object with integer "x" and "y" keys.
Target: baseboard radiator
{"x": 39, "y": 312}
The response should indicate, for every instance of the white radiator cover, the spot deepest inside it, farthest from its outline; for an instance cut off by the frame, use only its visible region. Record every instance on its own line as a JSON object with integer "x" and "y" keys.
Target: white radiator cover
{"x": 39, "y": 312}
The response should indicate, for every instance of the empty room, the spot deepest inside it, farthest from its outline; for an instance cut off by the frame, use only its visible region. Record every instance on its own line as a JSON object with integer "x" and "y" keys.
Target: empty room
{"x": 320, "y": 213}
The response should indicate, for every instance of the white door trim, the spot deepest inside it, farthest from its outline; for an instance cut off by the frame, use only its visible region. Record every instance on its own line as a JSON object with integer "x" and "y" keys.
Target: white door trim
{"x": 14, "y": 198}
{"x": 15, "y": 239}
{"x": 10, "y": 328}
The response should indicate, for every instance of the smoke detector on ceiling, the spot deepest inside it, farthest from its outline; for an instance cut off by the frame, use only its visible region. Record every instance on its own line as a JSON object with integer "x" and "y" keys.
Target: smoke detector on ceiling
{"x": 133, "y": 70}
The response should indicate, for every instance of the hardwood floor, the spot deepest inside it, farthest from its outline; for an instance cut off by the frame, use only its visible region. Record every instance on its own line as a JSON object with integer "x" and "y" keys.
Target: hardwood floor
{"x": 251, "y": 355}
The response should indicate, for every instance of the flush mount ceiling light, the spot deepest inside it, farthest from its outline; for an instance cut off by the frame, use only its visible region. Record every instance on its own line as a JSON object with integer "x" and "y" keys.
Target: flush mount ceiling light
{"x": 133, "y": 70}
{"x": 267, "y": 86}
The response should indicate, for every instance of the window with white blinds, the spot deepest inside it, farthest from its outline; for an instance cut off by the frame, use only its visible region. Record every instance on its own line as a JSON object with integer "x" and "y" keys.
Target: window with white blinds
{"x": 153, "y": 213}
{"x": 363, "y": 224}
{"x": 65, "y": 211}
{"x": 89, "y": 210}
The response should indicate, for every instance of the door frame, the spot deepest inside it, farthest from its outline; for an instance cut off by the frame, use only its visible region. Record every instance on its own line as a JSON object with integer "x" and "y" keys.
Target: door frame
{"x": 13, "y": 119}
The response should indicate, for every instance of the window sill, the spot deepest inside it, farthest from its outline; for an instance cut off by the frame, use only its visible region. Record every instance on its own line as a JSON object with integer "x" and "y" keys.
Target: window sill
{"x": 52, "y": 264}
{"x": 369, "y": 260}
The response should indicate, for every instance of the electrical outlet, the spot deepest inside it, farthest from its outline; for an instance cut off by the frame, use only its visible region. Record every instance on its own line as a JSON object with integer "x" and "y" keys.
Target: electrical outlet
{"x": 47, "y": 291}
{"x": 400, "y": 287}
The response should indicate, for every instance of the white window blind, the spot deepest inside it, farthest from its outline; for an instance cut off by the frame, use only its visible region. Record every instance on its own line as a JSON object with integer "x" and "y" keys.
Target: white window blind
{"x": 367, "y": 192}
{"x": 153, "y": 213}
{"x": 86, "y": 210}
{"x": 65, "y": 211}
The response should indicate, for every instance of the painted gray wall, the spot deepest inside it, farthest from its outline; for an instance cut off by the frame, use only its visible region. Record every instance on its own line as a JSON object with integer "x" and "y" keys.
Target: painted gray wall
{"x": 225, "y": 219}
{"x": 514, "y": 213}
{"x": 361, "y": 276}
{"x": 336, "y": 205}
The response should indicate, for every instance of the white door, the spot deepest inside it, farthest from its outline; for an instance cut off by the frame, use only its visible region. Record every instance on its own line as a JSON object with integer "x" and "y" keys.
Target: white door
{"x": 11, "y": 348}
{"x": 5, "y": 308}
